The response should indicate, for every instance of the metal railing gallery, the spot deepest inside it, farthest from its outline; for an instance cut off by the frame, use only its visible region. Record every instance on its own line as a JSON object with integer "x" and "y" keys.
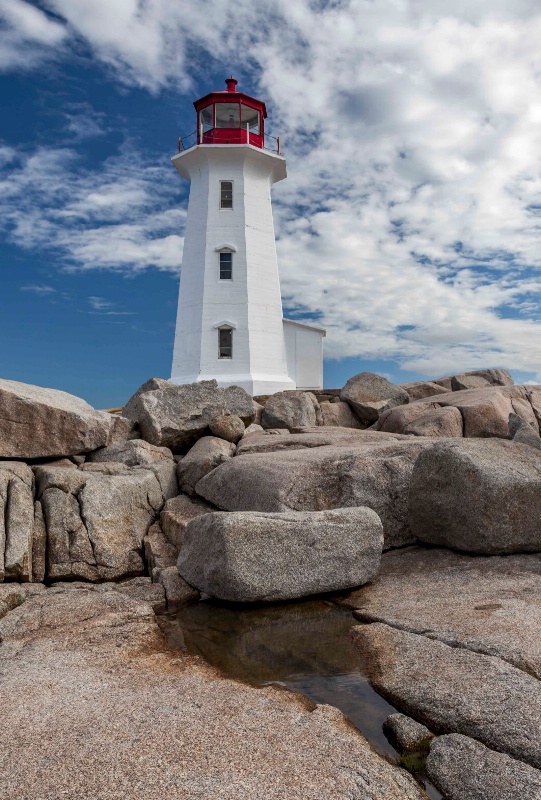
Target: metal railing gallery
{"x": 243, "y": 137}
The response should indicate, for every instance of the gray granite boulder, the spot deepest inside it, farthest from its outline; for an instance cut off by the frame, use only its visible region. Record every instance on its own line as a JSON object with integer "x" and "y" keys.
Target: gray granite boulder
{"x": 176, "y": 514}
{"x": 96, "y": 520}
{"x": 206, "y": 454}
{"x": 405, "y": 734}
{"x": 522, "y": 432}
{"x": 178, "y": 593}
{"x": 291, "y": 409}
{"x": 453, "y": 690}
{"x": 16, "y": 521}
{"x": 338, "y": 415}
{"x": 375, "y": 474}
{"x": 250, "y": 556}
{"x": 312, "y": 437}
{"x": 481, "y": 496}
{"x": 134, "y": 452}
{"x": 159, "y": 552}
{"x": 463, "y": 769}
{"x": 37, "y": 422}
{"x": 228, "y": 427}
{"x": 176, "y": 416}
{"x": 476, "y": 378}
{"x": 369, "y": 395}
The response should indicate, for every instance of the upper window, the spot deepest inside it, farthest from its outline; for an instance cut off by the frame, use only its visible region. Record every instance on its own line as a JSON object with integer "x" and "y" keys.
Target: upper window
{"x": 226, "y": 266}
{"x": 205, "y": 118}
{"x": 226, "y": 194}
{"x": 225, "y": 343}
{"x": 227, "y": 115}
{"x": 250, "y": 117}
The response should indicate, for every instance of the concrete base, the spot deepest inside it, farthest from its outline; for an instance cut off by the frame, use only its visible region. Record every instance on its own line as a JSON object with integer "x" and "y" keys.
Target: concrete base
{"x": 253, "y": 384}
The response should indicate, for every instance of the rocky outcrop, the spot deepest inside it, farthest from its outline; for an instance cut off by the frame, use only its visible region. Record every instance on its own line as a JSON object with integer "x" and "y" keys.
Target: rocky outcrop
{"x": 522, "y": 432}
{"x": 206, "y": 454}
{"x": 338, "y": 415}
{"x": 20, "y": 536}
{"x": 159, "y": 552}
{"x": 454, "y": 690}
{"x": 175, "y": 416}
{"x": 291, "y": 409}
{"x": 375, "y": 474}
{"x": 370, "y": 395}
{"x": 438, "y": 422}
{"x": 420, "y": 390}
{"x": 463, "y": 769}
{"x": 480, "y": 496}
{"x": 158, "y": 706}
{"x": 96, "y": 520}
{"x": 252, "y": 557}
{"x": 178, "y": 593}
{"x": 312, "y": 437}
{"x": 489, "y": 595}
{"x": 405, "y": 734}
{"x": 38, "y": 423}
{"x": 476, "y": 378}
{"x": 228, "y": 427}
{"x": 176, "y": 514}
{"x": 133, "y": 453}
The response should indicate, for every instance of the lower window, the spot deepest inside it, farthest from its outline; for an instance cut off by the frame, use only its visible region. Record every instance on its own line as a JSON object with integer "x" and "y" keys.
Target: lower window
{"x": 225, "y": 343}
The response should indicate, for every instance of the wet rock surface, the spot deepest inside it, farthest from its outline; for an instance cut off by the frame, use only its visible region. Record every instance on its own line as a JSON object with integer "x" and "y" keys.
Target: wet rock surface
{"x": 464, "y": 769}
{"x": 454, "y": 690}
{"x": 92, "y": 666}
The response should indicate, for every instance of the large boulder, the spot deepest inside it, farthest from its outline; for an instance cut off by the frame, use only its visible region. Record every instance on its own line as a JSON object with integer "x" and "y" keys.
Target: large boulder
{"x": 438, "y": 422}
{"x": 454, "y": 690}
{"x": 522, "y": 432}
{"x": 133, "y": 453}
{"x": 250, "y": 557}
{"x": 420, "y": 390}
{"x": 16, "y": 521}
{"x": 313, "y": 437}
{"x": 206, "y": 454}
{"x": 481, "y": 496}
{"x": 291, "y": 409}
{"x": 463, "y": 769}
{"x": 38, "y": 423}
{"x": 476, "y": 378}
{"x": 369, "y": 395}
{"x": 338, "y": 415}
{"x": 96, "y": 520}
{"x": 376, "y": 474}
{"x": 175, "y": 416}
{"x": 228, "y": 427}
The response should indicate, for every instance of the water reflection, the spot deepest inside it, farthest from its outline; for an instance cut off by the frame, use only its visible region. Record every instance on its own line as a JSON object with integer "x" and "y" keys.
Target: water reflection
{"x": 303, "y": 646}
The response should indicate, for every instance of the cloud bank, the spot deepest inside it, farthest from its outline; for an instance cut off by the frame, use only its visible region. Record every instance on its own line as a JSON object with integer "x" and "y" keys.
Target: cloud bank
{"x": 410, "y": 222}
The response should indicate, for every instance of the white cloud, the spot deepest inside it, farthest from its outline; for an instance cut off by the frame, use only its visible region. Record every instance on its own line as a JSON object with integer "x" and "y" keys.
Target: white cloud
{"x": 29, "y": 36}
{"x": 410, "y": 221}
{"x": 38, "y": 289}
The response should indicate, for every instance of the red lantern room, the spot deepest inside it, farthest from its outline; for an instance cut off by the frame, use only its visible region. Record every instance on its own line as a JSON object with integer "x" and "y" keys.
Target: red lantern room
{"x": 230, "y": 117}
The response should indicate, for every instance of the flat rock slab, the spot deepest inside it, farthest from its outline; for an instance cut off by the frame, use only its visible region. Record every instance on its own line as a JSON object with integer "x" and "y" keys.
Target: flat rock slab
{"x": 464, "y": 769}
{"x": 452, "y": 690}
{"x": 376, "y": 475}
{"x": 37, "y": 422}
{"x": 336, "y": 436}
{"x": 495, "y": 608}
{"x": 94, "y": 706}
{"x": 249, "y": 556}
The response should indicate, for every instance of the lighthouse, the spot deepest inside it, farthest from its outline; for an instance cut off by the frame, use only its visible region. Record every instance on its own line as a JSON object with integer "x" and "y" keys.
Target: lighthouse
{"x": 230, "y": 324}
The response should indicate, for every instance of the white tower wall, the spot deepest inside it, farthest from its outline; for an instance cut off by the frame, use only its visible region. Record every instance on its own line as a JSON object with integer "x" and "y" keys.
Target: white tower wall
{"x": 250, "y": 303}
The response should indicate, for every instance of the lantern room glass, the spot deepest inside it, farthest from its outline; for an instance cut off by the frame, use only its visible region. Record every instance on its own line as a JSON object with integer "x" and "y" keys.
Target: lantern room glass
{"x": 249, "y": 116}
{"x": 227, "y": 115}
{"x": 205, "y": 118}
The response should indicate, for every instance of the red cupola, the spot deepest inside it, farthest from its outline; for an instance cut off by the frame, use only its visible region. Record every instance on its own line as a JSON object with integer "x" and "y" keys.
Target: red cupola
{"x": 230, "y": 117}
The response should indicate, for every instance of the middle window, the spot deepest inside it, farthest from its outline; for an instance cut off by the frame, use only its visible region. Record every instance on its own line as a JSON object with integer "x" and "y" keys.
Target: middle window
{"x": 226, "y": 266}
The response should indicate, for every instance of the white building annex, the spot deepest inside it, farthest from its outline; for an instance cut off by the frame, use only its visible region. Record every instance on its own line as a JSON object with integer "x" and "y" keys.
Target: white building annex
{"x": 230, "y": 324}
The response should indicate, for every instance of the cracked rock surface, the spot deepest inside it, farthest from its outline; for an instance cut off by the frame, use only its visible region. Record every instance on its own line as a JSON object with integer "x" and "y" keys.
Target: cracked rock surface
{"x": 94, "y": 705}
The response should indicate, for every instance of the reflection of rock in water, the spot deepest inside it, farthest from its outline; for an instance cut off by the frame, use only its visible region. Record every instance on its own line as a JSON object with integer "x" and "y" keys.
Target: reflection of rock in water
{"x": 273, "y": 643}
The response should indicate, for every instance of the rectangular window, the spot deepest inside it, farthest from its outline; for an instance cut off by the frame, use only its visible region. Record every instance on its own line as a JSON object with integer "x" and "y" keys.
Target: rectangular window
{"x": 225, "y": 343}
{"x": 205, "y": 118}
{"x": 227, "y": 115}
{"x": 226, "y": 194}
{"x": 249, "y": 116}
{"x": 226, "y": 266}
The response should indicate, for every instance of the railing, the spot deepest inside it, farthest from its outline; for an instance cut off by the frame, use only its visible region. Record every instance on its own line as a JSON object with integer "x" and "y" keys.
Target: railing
{"x": 228, "y": 136}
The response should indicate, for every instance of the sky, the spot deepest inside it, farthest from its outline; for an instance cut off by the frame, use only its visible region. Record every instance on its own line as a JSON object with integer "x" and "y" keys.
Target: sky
{"x": 409, "y": 224}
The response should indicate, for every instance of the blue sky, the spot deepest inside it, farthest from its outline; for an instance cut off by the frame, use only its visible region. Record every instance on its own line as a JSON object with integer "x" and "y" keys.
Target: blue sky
{"x": 408, "y": 226}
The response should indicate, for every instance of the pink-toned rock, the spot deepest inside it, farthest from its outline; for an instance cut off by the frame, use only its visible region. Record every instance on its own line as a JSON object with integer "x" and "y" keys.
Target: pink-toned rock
{"x": 419, "y": 390}
{"x": 176, "y": 514}
{"x": 339, "y": 415}
{"x": 440, "y": 422}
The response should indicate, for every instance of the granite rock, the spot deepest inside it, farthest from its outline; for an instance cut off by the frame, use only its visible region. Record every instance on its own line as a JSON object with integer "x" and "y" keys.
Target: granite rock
{"x": 376, "y": 475}
{"x": 463, "y": 769}
{"x": 250, "y": 556}
{"x": 16, "y": 520}
{"x": 313, "y": 437}
{"x": 135, "y": 452}
{"x": 481, "y": 496}
{"x": 37, "y": 422}
{"x": 338, "y": 415}
{"x": 453, "y": 690}
{"x": 439, "y": 422}
{"x": 176, "y": 416}
{"x": 522, "y": 432}
{"x": 291, "y": 409}
{"x": 228, "y": 427}
{"x": 176, "y": 514}
{"x": 492, "y": 377}
{"x": 405, "y": 734}
{"x": 206, "y": 454}
{"x": 178, "y": 593}
{"x": 369, "y": 395}
{"x": 420, "y": 390}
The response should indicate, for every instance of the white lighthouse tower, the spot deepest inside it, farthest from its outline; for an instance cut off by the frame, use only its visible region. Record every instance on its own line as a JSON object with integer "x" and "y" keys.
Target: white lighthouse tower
{"x": 229, "y": 322}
